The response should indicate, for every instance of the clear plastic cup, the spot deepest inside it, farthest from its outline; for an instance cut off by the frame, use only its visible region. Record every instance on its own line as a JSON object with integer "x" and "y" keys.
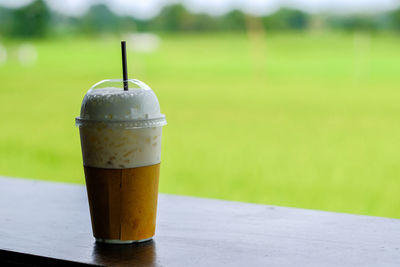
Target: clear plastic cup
{"x": 121, "y": 149}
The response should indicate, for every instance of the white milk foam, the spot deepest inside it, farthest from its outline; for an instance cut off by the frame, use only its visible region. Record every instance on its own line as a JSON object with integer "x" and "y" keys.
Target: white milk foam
{"x": 104, "y": 146}
{"x": 116, "y": 104}
{"x": 118, "y": 148}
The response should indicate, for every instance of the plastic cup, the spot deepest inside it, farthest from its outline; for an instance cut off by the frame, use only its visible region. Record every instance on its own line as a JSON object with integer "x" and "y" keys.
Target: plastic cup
{"x": 121, "y": 149}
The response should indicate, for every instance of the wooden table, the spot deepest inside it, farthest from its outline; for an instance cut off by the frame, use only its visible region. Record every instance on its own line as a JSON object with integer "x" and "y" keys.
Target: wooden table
{"x": 48, "y": 224}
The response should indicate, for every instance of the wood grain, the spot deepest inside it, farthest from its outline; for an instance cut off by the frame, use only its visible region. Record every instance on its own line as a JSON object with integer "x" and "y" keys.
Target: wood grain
{"x": 43, "y": 223}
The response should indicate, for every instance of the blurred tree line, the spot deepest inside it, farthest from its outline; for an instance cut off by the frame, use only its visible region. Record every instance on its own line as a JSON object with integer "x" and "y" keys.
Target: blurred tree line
{"x": 37, "y": 20}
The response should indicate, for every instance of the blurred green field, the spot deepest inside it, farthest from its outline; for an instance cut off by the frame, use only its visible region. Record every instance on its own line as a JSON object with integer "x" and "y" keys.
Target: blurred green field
{"x": 307, "y": 120}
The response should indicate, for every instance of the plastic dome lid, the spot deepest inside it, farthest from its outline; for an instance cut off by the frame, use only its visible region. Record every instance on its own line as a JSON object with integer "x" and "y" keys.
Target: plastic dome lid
{"x": 107, "y": 102}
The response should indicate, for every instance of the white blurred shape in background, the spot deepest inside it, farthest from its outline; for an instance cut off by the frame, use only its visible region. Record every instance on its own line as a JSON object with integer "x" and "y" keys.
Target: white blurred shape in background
{"x": 143, "y": 42}
{"x": 27, "y": 55}
{"x": 3, "y": 55}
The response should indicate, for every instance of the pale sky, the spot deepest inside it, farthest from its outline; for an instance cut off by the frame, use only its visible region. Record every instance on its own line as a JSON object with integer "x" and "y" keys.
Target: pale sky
{"x": 149, "y": 8}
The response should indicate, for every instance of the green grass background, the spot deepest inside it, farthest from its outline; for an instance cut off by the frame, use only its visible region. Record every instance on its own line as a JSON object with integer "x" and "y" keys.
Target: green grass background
{"x": 307, "y": 120}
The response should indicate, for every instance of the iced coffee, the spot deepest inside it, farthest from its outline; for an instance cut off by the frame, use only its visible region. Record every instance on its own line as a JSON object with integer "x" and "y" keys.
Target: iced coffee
{"x": 121, "y": 148}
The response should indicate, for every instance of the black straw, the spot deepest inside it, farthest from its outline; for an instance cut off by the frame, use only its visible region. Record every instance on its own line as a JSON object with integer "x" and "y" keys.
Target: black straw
{"x": 124, "y": 68}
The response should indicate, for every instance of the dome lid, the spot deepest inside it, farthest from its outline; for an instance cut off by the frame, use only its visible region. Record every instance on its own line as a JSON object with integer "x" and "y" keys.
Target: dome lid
{"x": 107, "y": 102}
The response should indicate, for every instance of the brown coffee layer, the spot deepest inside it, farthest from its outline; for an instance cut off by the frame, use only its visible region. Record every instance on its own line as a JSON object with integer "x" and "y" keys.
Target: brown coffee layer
{"x": 123, "y": 202}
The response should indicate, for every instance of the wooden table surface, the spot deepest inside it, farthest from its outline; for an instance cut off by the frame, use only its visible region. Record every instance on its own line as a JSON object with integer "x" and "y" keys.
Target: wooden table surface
{"x": 48, "y": 224}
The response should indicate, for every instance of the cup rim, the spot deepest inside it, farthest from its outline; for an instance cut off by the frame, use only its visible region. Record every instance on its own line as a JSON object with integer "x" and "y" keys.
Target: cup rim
{"x": 128, "y": 124}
